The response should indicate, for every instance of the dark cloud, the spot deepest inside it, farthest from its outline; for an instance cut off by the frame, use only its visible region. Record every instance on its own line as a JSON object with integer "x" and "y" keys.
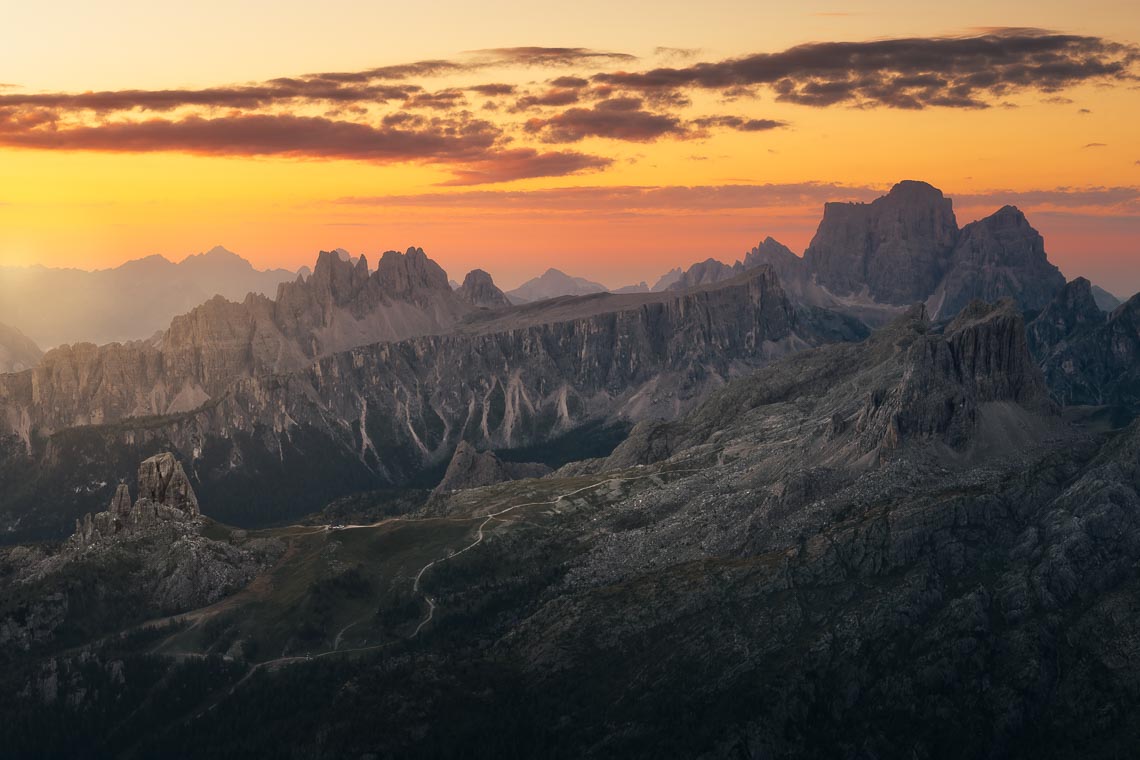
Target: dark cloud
{"x": 556, "y": 97}
{"x": 570, "y": 82}
{"x": 549, "y": 56}
{"x": 444, "y": 100}
{"x": 964, "y": 72}
{"x": 616, "y": 118}
{"x": 738, "y": 123}
{"x": 243, "y": 96}
{"x": 676, "y": 52}
{"x": 399, "y": 71}
{"x": 264, "y": 134}
{"x": 525, "y": 163}
{"x": 1058, "y": 197}
{"x": 1083, "y": 111}
{"x": 1096, "y": 145}
{"x": 493, "y": 89}
{"x": 471, "y": 149}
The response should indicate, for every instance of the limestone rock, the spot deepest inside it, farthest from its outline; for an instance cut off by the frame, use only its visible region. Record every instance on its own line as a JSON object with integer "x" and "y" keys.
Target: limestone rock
{"x": 1074, "y": 310}
{"x": 1087, "y": 359}
{"x": 895, "y": 249}
{"x": 163, "y": 481}
{"x": 1001, "y": 256}
{"x": 479, "y": 290}
{"x": 470, "y": 468}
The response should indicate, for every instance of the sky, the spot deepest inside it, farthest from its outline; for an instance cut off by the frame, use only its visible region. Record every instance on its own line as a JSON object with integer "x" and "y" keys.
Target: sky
{"x": 611, "y": 140}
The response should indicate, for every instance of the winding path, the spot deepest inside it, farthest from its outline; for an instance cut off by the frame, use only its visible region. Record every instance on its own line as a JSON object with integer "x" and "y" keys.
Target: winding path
{"x": 431, "y": 604}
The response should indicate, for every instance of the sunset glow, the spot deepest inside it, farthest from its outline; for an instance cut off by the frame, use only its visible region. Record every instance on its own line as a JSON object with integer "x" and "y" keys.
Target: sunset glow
{"x": 612, "y": 154}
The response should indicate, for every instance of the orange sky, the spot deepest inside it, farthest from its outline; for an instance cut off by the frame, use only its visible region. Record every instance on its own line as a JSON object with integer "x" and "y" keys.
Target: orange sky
{"x": 586, "y": 157}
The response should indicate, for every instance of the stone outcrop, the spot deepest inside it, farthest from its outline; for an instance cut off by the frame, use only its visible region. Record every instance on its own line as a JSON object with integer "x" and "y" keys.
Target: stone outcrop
{"x": 470, "y": 468}
{"x": 894, "y": 249}
{"x": 983, "y": 357}
{"x": 772, "y": 253}
{"x": 479, "y": 290}
{"x": 162, "y": 481}
{"x": 140, "y": 560}
{"x": 906, "y": 247}
{"x": 165, "y": 497}
{"x": 958, "y": 389}
{"x": 1073, "y": 311}
{"x": 997, "y": 257}
{"x": 1089, "y": 359}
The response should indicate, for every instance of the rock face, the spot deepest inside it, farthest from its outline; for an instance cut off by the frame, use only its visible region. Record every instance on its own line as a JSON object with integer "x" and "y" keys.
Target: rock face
{"x": 908, "y": 383}
{"x": 1073, "y": 311}
{"x": 906, "y": 247}
{"x": 1087, "y": 358}
{"x": 17, "y": 351}
{"x": 895, "y": 249}
{"x": 163, "y": 481}
{"x": 470, "y": 468}
{"x": 771, "y": 252}
{"x": 552, "y": 284}
{"x": 479, "y": 290}
{"x": 996, "y": 257}
{"x": 165, "y": 497}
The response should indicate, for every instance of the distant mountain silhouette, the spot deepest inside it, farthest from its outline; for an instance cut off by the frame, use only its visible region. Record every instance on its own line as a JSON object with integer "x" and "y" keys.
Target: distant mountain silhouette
{"x": 130, "y": 302}
{"x": 17, "y": 351}
{"x": 552, "y": 284}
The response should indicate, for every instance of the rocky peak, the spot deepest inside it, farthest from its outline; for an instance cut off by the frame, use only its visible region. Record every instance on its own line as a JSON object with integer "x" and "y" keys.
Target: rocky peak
{"x": 982, "y": 357}
{"x": 768, "y": 251}
{"x": 479, "y": 289}
{"x": 410, "y": 275}
{"x": 121, "y": 502}
{"x": 706, "y": 272}
{"x": 775, "y": 254}
{"x": 996, "y": 257}
{"x": 166, "y": 501}
{"x": 470, "y": 468}
{"x": 1073, "y": 309}
{"x": 667, "y": 279}
{"x": 896, "y": 247}
{"x": 1105, "y": 300}
{"x": 163, "y": 481}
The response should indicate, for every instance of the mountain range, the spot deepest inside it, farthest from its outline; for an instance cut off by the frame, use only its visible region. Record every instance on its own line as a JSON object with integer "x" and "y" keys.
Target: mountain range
{"x": 882, "y": 500}
{"x": 902, "y": 545}
{"x": 17, "y": 351}
{"x": 384, "y": 372}
{"x": 551, "y": 284}
{"x": 130, "y": 302}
